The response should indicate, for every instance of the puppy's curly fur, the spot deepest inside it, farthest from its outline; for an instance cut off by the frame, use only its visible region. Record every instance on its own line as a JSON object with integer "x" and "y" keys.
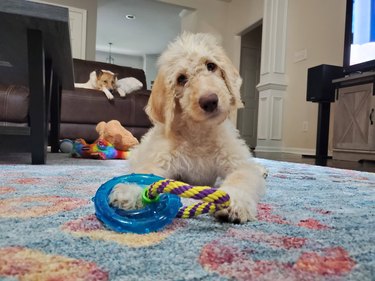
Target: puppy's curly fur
{"x": 193, "y": 140}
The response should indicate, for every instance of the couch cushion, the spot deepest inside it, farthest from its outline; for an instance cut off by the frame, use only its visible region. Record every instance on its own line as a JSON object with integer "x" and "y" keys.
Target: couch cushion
{"x": 14, "y": 104}
{"x": 84, "y": 106}
{"x": 83, "y": 68}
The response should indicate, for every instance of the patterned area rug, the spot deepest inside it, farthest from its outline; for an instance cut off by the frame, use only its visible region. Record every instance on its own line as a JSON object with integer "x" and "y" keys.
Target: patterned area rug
{"x": 315, "y": 223}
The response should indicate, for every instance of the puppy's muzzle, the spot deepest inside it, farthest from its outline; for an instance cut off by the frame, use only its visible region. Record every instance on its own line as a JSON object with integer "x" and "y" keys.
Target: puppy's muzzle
{"x": 209, "y": 102}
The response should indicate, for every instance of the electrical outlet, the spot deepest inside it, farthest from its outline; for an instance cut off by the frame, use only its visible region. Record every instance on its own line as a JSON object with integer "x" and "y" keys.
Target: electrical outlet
{"x": 300, "y": 55}
{"x": 305, "y": 126}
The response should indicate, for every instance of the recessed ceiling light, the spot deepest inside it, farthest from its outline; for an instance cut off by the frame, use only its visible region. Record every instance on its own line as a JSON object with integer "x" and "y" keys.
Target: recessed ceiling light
{"x": 130, "y": 17}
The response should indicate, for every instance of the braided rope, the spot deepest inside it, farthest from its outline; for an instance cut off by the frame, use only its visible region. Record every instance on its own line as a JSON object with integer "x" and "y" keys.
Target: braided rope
{"x": 213, "y": 199}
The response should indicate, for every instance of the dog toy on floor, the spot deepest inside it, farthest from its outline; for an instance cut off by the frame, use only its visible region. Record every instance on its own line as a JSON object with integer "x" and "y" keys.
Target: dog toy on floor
{"x": 116, "y": 134}
{"x": 213, "y": 199}
{"x": 100, "y": 149}
{"x": 161, "y": 200}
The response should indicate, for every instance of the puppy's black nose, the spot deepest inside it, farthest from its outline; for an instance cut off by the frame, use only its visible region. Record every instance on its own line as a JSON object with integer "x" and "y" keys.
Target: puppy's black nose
{"x": 209, "y": 102}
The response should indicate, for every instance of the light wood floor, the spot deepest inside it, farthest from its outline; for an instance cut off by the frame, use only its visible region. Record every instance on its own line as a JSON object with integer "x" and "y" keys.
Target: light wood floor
{"x": 368, "y": 166}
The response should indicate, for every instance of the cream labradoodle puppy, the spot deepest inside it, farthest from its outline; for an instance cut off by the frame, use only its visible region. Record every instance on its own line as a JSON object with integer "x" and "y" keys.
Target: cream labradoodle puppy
{"x": 193, "y": 140}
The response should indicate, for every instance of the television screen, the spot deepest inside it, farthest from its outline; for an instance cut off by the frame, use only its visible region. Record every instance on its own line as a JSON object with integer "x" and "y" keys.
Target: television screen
{"x": 359, "y": 53}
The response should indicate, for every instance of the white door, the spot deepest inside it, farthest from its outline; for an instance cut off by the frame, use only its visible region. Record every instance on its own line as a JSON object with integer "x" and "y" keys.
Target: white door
{"x": 77, "y": 24}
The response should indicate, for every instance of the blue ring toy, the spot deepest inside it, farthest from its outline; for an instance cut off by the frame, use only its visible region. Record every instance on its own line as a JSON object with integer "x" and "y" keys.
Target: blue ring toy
{"x": 152, "y": 217}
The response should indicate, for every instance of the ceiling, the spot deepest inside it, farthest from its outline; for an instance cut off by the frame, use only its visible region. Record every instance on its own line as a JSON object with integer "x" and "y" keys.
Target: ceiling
{"x": 155, "y": 24}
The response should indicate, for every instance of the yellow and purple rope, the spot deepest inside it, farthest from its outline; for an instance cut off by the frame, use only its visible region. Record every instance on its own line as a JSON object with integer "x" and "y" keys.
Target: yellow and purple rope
{"x": 213, "y": 199}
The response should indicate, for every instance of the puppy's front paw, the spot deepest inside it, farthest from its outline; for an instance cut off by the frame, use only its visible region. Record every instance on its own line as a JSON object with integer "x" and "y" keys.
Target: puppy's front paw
{"x": 126, "y": 196}
{"x": 240, "y": 210}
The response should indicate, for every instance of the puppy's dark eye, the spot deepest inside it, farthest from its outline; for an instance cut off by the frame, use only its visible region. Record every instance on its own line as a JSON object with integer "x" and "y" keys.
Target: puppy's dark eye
{"x": 211, "y": 66}
{"x": 181, "y": 80}
{"x": 105, "y": 81}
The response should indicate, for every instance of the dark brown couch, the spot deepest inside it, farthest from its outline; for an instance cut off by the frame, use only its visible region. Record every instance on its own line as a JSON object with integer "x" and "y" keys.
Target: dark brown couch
{"x": 82, "y": 109}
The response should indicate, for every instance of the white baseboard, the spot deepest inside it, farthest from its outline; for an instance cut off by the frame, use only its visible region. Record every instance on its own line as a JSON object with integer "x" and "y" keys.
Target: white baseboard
{"x": 293, "y": 150}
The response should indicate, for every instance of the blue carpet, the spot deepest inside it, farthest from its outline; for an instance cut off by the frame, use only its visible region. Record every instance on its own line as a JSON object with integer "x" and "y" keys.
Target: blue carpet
{"x": 314, "y": 223}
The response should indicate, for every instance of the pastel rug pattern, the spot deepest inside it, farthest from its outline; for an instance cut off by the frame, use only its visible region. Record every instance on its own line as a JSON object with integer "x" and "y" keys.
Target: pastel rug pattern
{"x": 314, "y": 223}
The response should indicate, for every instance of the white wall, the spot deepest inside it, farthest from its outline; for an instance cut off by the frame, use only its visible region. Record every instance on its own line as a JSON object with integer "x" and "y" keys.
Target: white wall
{"x": 123, "y": 60}
{"x": 91, "y": 7}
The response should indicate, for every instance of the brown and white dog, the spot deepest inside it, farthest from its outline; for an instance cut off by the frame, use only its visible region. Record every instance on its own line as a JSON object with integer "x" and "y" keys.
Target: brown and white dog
{"x": 103, "y": 80}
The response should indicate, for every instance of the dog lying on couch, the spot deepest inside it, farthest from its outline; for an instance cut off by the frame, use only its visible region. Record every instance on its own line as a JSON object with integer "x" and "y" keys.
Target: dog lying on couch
{"x": 103, "y": 80}
{"x": 106, "y": 81}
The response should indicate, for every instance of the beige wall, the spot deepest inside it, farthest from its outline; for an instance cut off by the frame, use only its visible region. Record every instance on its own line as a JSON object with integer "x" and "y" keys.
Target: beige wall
{"x": 318, "y": 27}
{"x": 91, "y": 6}
{"x": 206, "y": 16}
{"x": 226, "y": 20}
{"x": 241, "y": 15}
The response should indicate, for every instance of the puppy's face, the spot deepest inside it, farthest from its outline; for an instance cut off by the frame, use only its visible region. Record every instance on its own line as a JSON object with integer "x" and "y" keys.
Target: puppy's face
{"x": 196, "y": 82}
{"x": 201, "y": 92}
{"x": 105, "y": 79}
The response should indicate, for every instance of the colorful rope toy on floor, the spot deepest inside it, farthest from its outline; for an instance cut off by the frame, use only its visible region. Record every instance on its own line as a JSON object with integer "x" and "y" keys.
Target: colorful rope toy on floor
{"x": 100, "y": 149}
{"x": 213, "y": 199}
{"x": 162, "y": 203}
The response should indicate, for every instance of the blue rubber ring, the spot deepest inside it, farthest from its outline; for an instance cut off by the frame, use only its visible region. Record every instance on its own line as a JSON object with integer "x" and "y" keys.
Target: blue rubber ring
{"x": 152, "y": 217}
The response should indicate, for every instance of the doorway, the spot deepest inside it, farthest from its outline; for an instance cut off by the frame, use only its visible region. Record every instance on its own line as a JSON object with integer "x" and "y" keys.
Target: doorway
{"x": 247, "y": 118}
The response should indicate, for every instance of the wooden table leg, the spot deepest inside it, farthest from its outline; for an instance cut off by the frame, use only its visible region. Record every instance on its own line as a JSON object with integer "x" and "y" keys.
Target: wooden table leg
{"x": 55, "y": 114}
{"x": 37, "y": 110}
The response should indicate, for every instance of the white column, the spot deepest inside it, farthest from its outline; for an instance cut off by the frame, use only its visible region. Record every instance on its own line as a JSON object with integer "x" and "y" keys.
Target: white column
{"x": 273, "y": 80}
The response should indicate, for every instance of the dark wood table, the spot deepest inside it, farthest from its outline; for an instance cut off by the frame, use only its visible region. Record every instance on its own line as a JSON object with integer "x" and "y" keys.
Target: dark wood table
{"x": 35, "y": 52}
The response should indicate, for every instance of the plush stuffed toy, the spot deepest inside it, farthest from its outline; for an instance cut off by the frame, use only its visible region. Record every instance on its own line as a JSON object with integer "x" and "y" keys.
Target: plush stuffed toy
{"x": 116, "y": 134}
{"x": 100, "y": 149}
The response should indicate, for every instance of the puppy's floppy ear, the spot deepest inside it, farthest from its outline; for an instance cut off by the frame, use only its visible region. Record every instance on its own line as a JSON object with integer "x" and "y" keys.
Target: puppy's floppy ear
{"x": 156, "y": 104}
{"x": 160, "y": 107}
{"x": 232, "y": 80}
{"x": 98, "y": 72}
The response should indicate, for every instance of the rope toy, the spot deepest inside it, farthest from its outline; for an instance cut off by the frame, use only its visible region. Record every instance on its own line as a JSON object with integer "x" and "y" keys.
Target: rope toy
{"x": 213, "y": 199}
{"x": 165, "y": 196}
{"x": 100, "y": 149}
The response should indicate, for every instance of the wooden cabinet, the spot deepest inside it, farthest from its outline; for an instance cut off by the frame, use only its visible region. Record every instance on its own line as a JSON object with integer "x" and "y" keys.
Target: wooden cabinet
{"x": 354, "y": 122}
